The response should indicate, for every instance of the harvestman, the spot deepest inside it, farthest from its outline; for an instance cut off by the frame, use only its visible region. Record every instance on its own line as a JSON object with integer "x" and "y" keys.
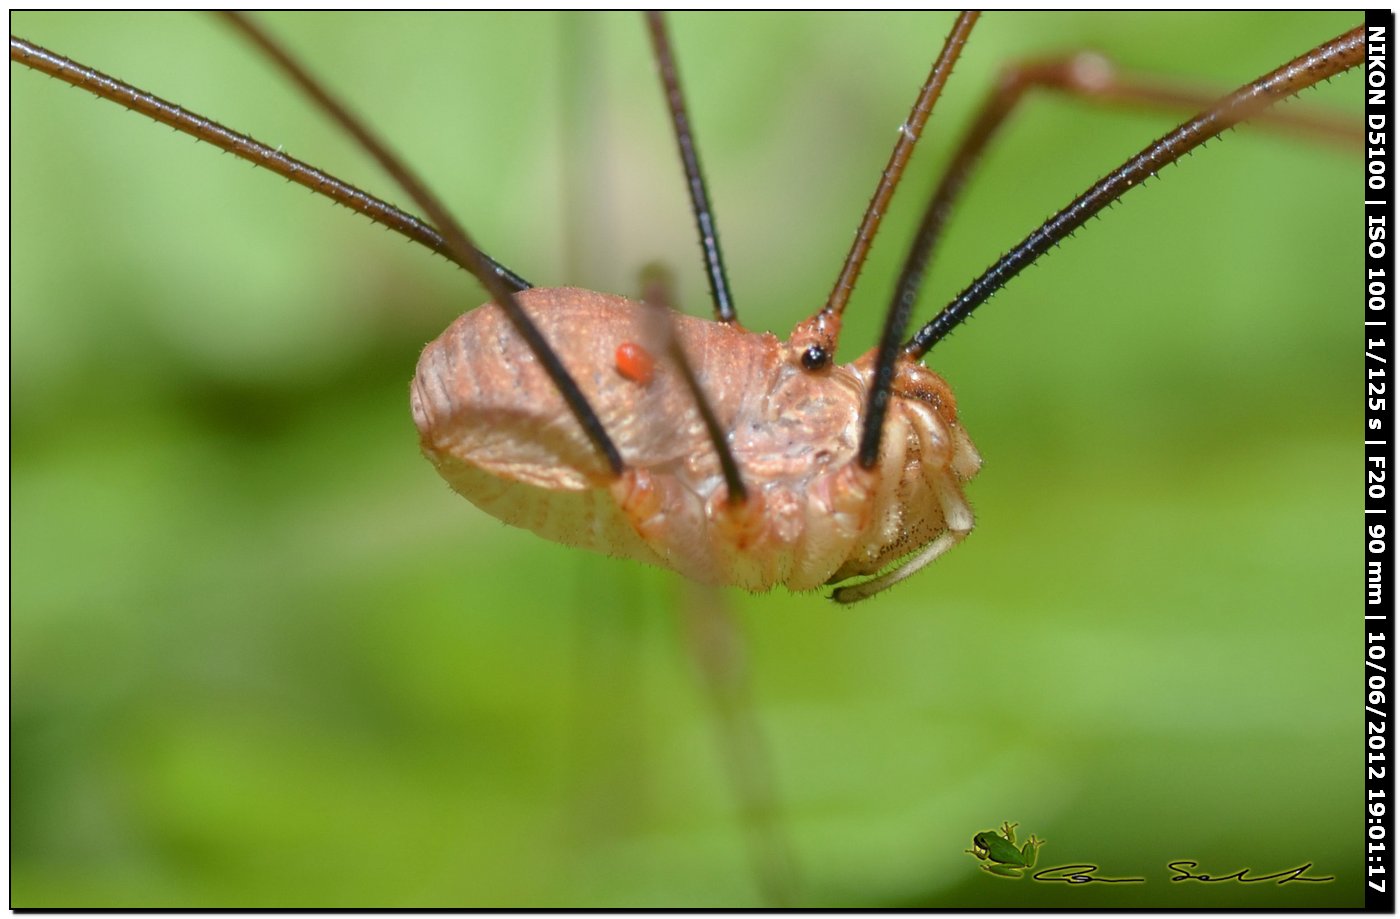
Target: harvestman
{"x": 756, "y": 462}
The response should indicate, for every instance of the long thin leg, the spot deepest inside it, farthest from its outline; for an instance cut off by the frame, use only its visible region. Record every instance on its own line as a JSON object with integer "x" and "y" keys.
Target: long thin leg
{"x": 690, "y": 161}
{"x": 716, "y": 644}
{"x": 1249, "y": 101}
{"x": 241, "y": 145}
{"x": 815, "y": 338}
{"x": 1090, "y": 77}
{"x": 1321, "y": 63}
{"x": 452, "y": 231}
{"x": 656, "y": 291}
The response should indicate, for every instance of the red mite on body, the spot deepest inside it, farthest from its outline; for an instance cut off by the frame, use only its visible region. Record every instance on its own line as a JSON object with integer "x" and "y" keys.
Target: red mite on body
{"x": 634, "y": 362}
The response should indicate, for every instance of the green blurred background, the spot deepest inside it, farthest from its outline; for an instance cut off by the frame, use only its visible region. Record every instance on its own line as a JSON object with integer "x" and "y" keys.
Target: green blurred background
{"x": 263, "y": 657}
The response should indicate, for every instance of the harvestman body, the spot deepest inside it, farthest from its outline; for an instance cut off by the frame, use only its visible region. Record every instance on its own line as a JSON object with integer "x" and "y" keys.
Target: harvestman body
{"x": 741, "y": 459}
{"x": 498, "y": 431}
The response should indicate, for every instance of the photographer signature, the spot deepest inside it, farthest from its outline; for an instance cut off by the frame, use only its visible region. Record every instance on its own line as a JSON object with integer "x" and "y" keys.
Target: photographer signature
{"x": 1001, "y": 857}
{"x": 1243, "y": 876}
{"x": 1085, "y": 874}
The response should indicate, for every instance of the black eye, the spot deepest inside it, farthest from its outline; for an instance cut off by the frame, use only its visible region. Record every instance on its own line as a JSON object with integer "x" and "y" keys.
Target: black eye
{"x": 815, "y": 357}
